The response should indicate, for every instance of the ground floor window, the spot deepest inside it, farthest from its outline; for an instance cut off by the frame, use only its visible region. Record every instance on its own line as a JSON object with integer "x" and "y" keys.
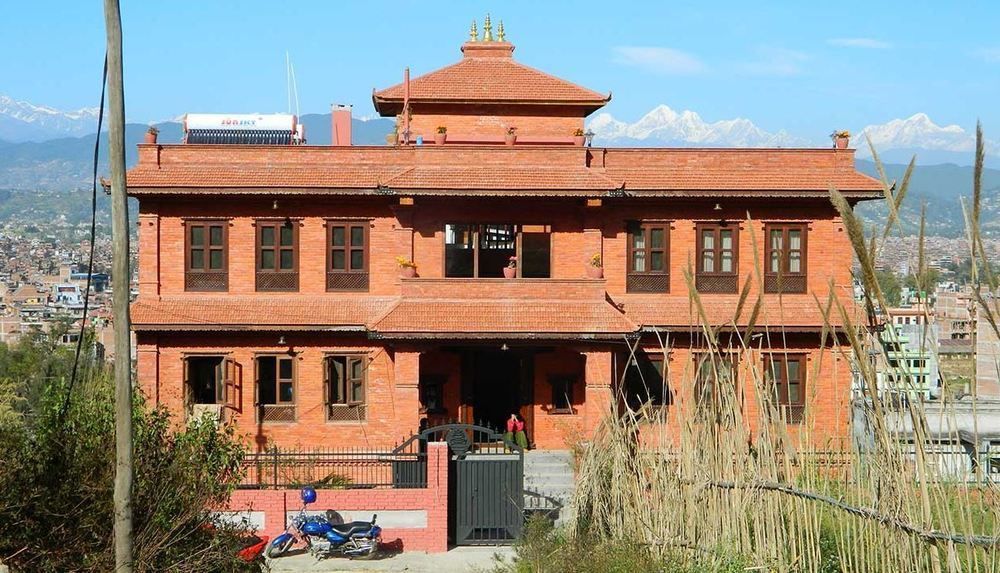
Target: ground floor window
{"x": 211, "y": 380}
{"x": 715, "y": 385}
{"x": 785, "y": 374}
{"x": 562, "y": 394}
{"x": 275, "y": 389}
{"x": 644, "y": 381}
{"x": 432, "y": 394}
{"x": 345, "y": 388}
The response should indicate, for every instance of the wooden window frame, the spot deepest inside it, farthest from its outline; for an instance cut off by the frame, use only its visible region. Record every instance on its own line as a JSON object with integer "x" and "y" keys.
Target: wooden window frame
{"x": 706, "y": 281}
{"x": 793, "y": 411}
{"x": 570, "y": 381}
{"x": 259, "y": 248}
{"x": 733, "y": 358}
{"x": 348, "y": 409}
{"x": 293, "y": 404}
{"x": 191, "y": 282}
{"x": 349, "y": 278}
{"x": 648, "y": 280}
{"x": 663, "y": 381}
{"x": 785, "y": 281}
{"x": 432, "y": 381}
{"x": 519, "y": 231}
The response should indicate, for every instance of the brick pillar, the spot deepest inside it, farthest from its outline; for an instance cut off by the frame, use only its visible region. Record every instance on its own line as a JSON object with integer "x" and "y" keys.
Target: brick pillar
{"x": 149, "y": 254}
{"x": 598, "y": 391}
{"x": 148, "y": 368}
{"x": 406, "y": 402}
{"x": 437, "y": 484}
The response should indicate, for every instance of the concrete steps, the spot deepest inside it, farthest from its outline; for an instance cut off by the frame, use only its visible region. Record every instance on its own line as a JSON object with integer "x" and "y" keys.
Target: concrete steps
{"x": 549, "y": 484}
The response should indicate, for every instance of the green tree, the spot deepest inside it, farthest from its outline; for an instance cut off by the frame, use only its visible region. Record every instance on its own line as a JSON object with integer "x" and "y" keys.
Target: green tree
{"x": 888, "y": 281}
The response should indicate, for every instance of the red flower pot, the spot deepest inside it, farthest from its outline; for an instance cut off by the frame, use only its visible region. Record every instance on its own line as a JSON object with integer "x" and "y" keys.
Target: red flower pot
{"x": 578, "y": 140}
{"x": 149, "y": 138}
{"x": 510, "y": 139}
{"x": 595, "y": 272}
{"x": 440, "y": 138}
{"x": 509, "y": 273}
{"x": 407, "y": 272}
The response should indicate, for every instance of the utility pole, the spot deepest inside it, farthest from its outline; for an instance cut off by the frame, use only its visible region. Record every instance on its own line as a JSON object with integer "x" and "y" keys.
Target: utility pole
{"x": 120, "y": 282}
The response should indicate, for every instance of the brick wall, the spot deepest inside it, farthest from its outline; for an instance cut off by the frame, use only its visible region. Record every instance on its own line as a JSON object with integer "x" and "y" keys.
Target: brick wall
{"x": 413, "y": 519}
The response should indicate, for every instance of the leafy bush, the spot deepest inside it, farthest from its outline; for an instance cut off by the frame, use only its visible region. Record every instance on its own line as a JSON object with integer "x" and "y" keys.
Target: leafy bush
{"x": 56, "y": 482}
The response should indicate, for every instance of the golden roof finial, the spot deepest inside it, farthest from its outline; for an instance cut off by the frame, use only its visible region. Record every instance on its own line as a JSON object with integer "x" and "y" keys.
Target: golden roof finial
{"x": 473, "y": 32}
{"x": 487, "y": 29}
{"x": 500, "y": 35}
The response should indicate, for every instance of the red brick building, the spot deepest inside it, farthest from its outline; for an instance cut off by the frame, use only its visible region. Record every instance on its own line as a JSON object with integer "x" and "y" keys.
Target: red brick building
{"x": 269, "y": 281}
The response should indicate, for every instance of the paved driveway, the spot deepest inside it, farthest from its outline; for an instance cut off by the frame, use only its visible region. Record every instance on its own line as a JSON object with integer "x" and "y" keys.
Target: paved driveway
{"x": 458, "y": 560}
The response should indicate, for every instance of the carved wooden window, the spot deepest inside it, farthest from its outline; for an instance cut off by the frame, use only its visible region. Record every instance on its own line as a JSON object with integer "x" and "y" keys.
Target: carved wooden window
{"x": 344, "y": 381}
{"x": 648, "y": 257}
{"x": 347, "y": 250}
{"x": 785, "y": 258}
{"x": 277, "y": 256}
{"x": 786, "y": 376}
{"x": 718, "y": 258}
{"x": 205, "y": 256}
{"x": 275, "y": 388}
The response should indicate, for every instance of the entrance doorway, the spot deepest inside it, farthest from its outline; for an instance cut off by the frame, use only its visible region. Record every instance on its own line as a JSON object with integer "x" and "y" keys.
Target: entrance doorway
{"x": 495, "y": 384}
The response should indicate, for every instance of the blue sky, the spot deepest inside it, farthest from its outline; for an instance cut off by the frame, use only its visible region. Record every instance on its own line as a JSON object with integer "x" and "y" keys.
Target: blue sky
{"x": 807, "y": 67}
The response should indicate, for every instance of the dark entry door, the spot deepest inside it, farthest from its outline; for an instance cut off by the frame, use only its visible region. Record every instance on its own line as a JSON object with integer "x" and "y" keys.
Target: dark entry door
{"x": 496, "y": 387}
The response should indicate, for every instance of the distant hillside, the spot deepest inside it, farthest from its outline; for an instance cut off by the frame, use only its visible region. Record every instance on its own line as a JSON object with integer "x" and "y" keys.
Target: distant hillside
{"x": 66, "y": 163}
{"x": 941, "y": 187}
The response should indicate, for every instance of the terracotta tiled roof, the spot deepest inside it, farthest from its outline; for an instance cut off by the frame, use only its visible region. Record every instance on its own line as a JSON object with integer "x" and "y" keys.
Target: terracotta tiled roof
{"x": 500, "y": 170}
{"x": 495, "y": 78}
{"x": 236, "y": 312}
{"x": 419, "y": 318}
{"x": 796, "y": 311}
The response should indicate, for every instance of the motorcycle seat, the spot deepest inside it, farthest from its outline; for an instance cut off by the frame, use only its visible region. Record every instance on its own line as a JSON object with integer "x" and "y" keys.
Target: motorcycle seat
{"x": 348, "y": 529}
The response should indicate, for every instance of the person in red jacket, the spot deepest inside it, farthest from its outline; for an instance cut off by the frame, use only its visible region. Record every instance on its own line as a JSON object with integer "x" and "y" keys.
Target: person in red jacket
{"x": 515, "y": 431}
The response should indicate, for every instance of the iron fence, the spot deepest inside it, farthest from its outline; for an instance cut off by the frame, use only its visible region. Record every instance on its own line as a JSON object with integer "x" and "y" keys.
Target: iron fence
{"x": 343, "y": 468}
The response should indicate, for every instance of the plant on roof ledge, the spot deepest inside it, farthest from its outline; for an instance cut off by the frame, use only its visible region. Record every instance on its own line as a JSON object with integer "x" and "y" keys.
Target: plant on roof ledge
{"x": 595, "y": 270}
{"x": 841, "y": 138}
{"x": 151, "y": 134}
{"x": 579, "y": 138}
{"x": 510, "y": 271}
{"x": 407, "y": 268}
{"x": 441, "y": 136}
{"x": 442, "y": 129}
{"x": 511, "y": 136}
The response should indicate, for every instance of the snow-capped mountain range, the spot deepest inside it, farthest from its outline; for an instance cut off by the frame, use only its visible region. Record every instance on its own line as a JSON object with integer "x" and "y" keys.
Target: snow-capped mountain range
{"x": 24, "y": 121}
{"x": 895, "y": 139}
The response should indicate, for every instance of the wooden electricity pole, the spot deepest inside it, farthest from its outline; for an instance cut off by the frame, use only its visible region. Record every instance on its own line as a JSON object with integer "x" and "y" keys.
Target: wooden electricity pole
{"x": 121, "y": 283}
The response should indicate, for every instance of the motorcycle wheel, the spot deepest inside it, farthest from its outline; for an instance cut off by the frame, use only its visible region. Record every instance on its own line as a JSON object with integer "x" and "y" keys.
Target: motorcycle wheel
{"x": 279, "y": 550}
{"x": 370, "y": 554}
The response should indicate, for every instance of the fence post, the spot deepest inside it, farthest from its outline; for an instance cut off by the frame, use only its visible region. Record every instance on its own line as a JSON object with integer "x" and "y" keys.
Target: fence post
{"x": 274, "y": 453}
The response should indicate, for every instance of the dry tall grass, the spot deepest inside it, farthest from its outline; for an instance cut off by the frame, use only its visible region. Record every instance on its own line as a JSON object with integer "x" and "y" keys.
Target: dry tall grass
{"x": 701, "y": 484}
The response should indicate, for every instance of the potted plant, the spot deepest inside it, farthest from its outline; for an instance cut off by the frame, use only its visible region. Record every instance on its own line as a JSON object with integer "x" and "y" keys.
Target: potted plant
{"x": 578, "y": 137}
{"x": 441, "y": 135}
{"x": 151, "y": 134}
{"x": 510, "y": 271}
{"x": 595, "y": 270}
{"x": 511, "y": 136}
{"x": 407, "y": 268}
{"x": 841, "y": 139}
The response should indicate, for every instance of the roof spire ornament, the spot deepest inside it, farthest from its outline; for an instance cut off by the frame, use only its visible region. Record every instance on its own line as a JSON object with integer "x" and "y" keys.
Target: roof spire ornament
{"x": 473, "y": 32}
{"x": 500, "y": 35}
{"x": 487, "y": 29}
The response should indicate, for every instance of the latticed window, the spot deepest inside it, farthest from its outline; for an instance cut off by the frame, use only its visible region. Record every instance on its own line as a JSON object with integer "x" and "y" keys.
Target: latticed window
{"x": 344, "y": 378}
{"x": 718, "y": 258}
{"x": 645, "y": 381}
{"x": 277, "y": 256}
{"x": 785, "y": 374}
{"x": 275, "y": 388}
{"x": 648, "y": 257}
{"x": 347, "y": 255}
{"x": 785, "y": 258}
{"x": 205, "y": 259}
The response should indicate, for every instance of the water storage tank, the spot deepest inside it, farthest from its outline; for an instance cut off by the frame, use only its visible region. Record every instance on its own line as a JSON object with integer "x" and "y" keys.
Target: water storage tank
{"x": 245, "y": 129}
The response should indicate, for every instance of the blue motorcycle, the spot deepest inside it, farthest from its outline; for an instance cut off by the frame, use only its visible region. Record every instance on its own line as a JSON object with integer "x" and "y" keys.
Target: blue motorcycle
{"x": 357, "y": 539}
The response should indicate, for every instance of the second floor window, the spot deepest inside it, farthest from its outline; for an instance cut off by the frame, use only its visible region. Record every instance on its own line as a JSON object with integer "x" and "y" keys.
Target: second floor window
{"x": 482, "y": 251}
{"x": 718, "y": 257}
{"x": 648, "y": 258}
{"x": 785, "y": 260}
{"x": 205, "y": 257}
{"x": 277, "y": 256}
{"x": 347, "y": 255}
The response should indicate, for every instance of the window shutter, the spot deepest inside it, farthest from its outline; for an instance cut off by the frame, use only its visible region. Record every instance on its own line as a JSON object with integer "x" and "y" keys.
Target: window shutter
{"x": 188, "y": 387}
{"x": 327, "y": 388}
{"x": 356, "y": 386}
{"x": 232, "y": 397}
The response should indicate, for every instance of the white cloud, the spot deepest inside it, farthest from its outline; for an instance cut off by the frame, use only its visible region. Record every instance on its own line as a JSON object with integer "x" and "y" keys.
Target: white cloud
{"x": 870, "y": 43}
{"x": 658, "y": 60}
{"x": 991, "y": 55}
{"x": 774, "y": 62}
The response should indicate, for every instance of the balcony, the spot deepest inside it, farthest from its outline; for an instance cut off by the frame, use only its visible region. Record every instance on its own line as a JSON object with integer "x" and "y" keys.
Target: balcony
{"x": 504, "y": 289}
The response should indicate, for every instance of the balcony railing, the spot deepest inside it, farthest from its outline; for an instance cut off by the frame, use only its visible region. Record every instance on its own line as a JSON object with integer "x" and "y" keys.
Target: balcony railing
{"x": 209, "y": 282}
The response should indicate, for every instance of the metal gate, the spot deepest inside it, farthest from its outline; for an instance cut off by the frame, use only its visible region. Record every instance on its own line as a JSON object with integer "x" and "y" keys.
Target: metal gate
{"x": 485, "y": 483}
